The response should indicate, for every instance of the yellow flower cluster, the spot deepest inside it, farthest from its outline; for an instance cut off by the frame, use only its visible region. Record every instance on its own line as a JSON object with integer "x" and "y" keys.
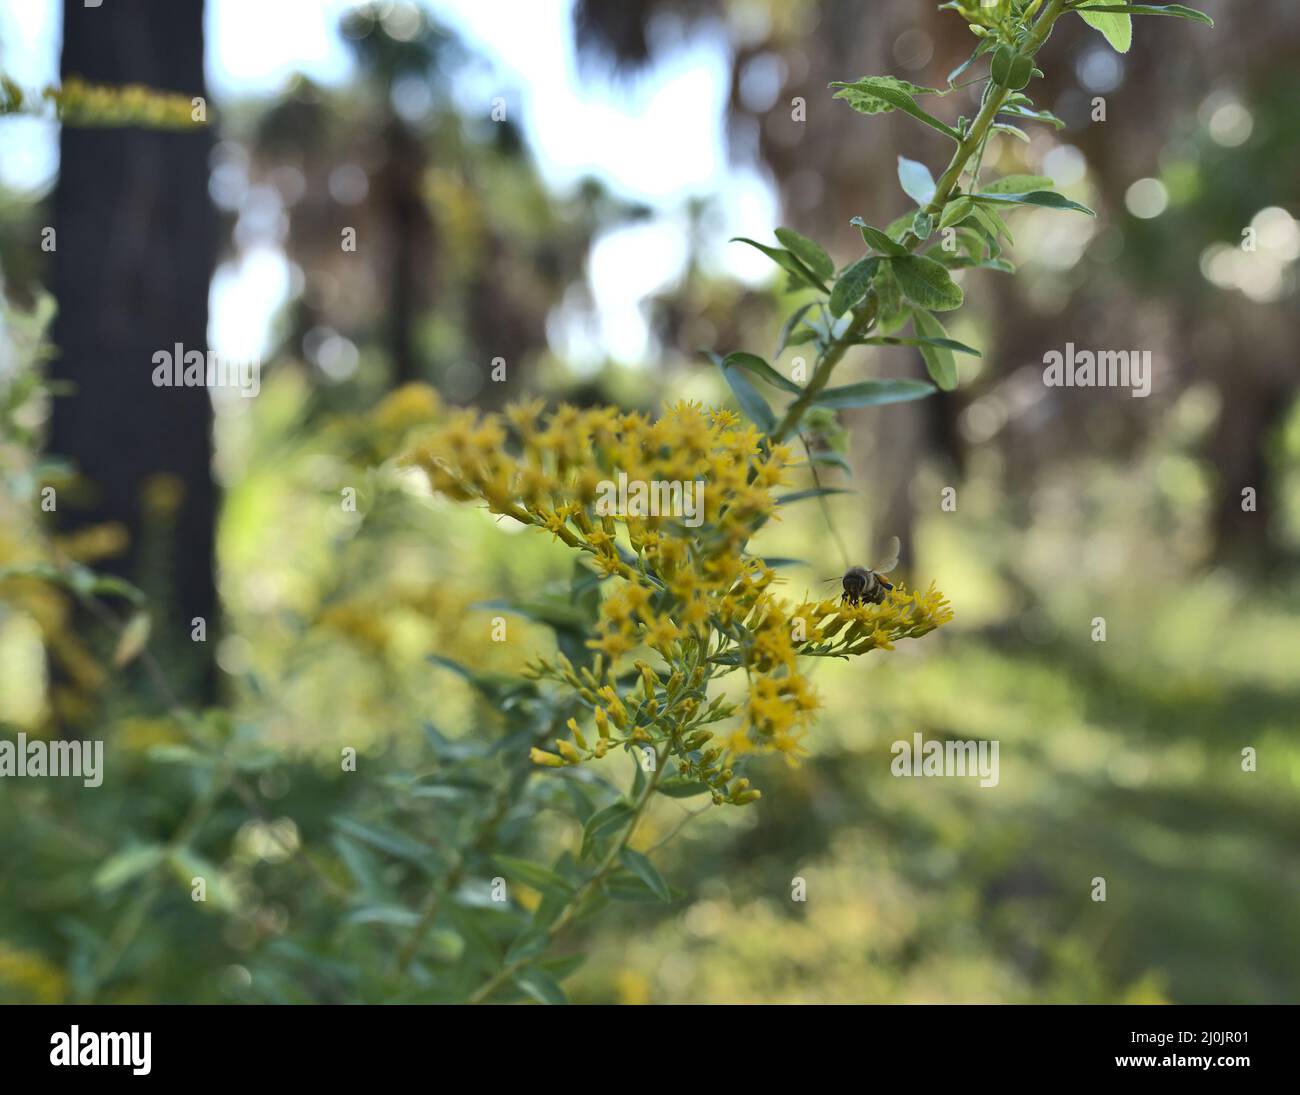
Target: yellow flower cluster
{"x": 81, "y": 103}
{"x": 688, "y": 591}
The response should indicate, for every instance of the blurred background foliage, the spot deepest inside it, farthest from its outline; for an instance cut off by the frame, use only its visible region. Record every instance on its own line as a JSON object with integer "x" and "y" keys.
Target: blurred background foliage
{"x": 1120, "y": 759}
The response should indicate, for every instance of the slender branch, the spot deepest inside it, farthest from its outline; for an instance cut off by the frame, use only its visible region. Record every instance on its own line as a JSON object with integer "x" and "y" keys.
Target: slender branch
{"x": 864, "y": 315}
{"x": 574, "y": 904}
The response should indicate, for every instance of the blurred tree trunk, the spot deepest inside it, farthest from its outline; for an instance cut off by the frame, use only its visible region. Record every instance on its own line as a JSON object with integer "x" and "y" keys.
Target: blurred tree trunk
{"x": 136, "y": 238}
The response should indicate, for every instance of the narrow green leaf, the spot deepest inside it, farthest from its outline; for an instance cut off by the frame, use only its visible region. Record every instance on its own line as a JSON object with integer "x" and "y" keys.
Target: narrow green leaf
{"x": 887, "y": 340}
{"x": 1180, "y": 11}
{"x": 601, "y": 821}
{"x": 788, "y": 262}
{"x": 1025, "y": 113}
{"x": 787, "y": 331}
{"x": 811, "y": 492}
{"x": 879, "y": 94}
{"x": 126, "y": 865}
{"x": 1012, "y": 131}
{"x": 527, "y": 945}
{"x": 541, "y": 986}
{"x": 873, "y": 393}
{"x": 1048, "y": 199}
{"x": 1019, "y": 184}
{"x": 874, "y": 237}
{"x": 852, "y": 285}
{"x": 757, "y": 365}
{"x": 956, "y": 211}
{"x": 646, "y": 871}
{"x": 753, "y": 404}
{"x": 532, "y": 874}
{"x": 939, "y": 361}
{"x": 680, "y": 787}
{"x": 386, "y": 840}
{"x": 924, "y": 282}
{"x": 806, "y": 251}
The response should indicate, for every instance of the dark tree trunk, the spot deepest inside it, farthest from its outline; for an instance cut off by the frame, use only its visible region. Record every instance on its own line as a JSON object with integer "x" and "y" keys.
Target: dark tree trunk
{"x": 136, "y": 238}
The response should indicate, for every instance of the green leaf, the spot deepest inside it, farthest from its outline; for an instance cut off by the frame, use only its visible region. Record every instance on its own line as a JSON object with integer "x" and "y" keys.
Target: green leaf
{"x": 681, "y": 787}
{"x": 1118, "y": 29}
{"x": 916, "y": 181}
{"x": 811, "y": 492}
{"x": 819, "y": 456}
{"x": 852, "y": 285}
{"x": 788, "y": 329}
{"x": 956, "y": 211}
{"x": 806, "y": 251}
{"x": 397, "y": 916}
{"x": 788, "y": 262}
{"x": 646, "y": 871}
{"x": 879, "y": 94}
{"x": 1048, "y": 199}
{"x": 873, "y": 393}
{"x": 1012, "y": 131}
{"x": 614, "y": 814}
{"x": 1010, "y": 68}
{"x": 386, "y": 840}
{"x": 133, "y": 640}
{"x": 1019, "y": 184}
{"x": 756, "y": 364}
{"x": 753, "y": 404}
{"x": 128, "y": 864}
{"x": 939, "y": 361}
{"x": 1180, "y": 11}
{"x": 892, "y": 310}
{"x": 886, "y": 340}
{"x": 924, "y": 282}
{"x": 985, "y": 45}
{"x": 532, "y": 874}
{"x": 1029, "y": 115}
{"x": 528, "y": 945}
{"x": 541, "y": 986}
{"x": 874, "y": 237}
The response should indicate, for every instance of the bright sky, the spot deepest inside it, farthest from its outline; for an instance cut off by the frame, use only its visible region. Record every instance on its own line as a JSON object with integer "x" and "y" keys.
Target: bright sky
{"x": 657, "y": 138}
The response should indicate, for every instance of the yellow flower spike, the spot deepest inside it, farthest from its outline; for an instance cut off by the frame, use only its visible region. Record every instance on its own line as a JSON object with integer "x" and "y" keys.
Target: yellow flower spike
{"x": 545, "y": 759}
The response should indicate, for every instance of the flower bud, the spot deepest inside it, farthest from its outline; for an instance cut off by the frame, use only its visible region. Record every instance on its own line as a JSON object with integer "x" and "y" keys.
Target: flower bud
{"x": 542, "y": 757}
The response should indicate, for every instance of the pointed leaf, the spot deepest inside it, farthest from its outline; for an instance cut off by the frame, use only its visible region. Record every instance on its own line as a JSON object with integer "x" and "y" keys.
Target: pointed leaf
{"x": 873, "y": 393}
{"x": 646, "y": 871}
{"x": 879, "y": 94}
{"x": 753, "y": 404}
{"x": 1118, "y": 29}
{"x": 874, "y": 237}
{"x": 852, "y": 285}
{"x": 924, "y": 282}
{"x": 757, "y": 365}
{"x": 806, "y": 251}
{"x": 1048, "y": 199}
{"x": 938, "y": 358}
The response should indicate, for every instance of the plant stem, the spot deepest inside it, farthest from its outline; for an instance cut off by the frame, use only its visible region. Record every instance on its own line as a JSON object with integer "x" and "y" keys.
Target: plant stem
{"x": 574, "y": 904}
{"x": 864, "y": 315}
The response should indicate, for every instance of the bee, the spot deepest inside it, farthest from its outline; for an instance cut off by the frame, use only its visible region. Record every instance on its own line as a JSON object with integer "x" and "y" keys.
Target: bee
{"x": 869, "y": 584}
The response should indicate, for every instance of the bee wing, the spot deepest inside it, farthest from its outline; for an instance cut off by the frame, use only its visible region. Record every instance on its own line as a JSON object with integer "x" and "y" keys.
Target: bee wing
{"x": 828, "y": 581}
{"x": 891, "y": 557}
